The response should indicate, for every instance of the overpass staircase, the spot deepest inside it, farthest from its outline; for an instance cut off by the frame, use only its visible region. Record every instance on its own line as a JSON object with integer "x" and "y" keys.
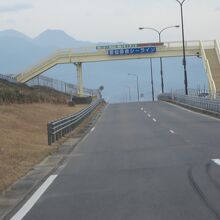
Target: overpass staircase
{"x": 213, "y": 57}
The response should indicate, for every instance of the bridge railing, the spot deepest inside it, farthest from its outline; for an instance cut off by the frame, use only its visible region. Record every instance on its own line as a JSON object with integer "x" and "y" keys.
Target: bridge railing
{"x": 57, "y": 129}
{"x": 204, "y": 103}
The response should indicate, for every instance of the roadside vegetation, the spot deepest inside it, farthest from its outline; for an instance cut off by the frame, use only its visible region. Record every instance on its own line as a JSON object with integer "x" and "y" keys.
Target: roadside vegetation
{"x": 24, "y": 113}
{"x": 11, "y": 93}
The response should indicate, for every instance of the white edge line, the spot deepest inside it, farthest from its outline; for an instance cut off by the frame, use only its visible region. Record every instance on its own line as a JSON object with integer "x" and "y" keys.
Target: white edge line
{"x": 30, "y": 203}
{"x": 92, "y": 129}
{"x": 172, "y": 132}
{"x": 188, "y": 110}
{"x": 217, "y": 161}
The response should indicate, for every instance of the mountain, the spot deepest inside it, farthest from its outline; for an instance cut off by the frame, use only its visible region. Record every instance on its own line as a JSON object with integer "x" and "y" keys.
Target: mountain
{"x": 19, "y": 52}
{"x": 59, "y": 39}
{"x": 14, "y": 34}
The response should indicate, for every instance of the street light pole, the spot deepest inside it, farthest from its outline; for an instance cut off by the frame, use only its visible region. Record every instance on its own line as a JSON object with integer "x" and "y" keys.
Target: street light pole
{"x": 131, "y": 74}
{"x": 184, "y": 50}
{"x": 152, "y": 80}
{"x": 159, "y": 32}
{"x": 129, "y": 93}
{"x": 161, "y": 68}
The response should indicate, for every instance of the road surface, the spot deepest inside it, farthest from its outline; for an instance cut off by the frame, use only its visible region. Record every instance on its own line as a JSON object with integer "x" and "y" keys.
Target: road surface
{"x": 142, "y": 161}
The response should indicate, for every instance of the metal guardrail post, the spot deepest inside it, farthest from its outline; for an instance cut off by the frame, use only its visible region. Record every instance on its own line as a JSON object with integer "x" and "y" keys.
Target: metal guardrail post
{"x": 57, "y": 129}
{"x": 50, "y": 135}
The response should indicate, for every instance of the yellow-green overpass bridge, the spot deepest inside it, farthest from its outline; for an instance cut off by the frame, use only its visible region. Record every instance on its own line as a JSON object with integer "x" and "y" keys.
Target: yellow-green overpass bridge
{"x": 208, "y": 50}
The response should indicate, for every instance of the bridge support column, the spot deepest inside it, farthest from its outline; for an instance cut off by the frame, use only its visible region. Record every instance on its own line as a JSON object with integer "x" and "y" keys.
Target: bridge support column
{"x": 79, "y": 79}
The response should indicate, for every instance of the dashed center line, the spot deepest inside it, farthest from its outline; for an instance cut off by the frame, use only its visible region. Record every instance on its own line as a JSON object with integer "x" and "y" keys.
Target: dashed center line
{"x": 217, "y": 161}
{"x": 149, "y": 115}
{"x": 142, "y": 109}
{"x": 154, "y": 120}
{"x": 172, "y": 132}
{"x": 145, "y": 112}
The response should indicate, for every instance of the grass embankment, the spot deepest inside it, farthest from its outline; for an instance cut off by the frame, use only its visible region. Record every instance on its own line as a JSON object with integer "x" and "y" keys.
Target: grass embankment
{"x": 23, "y": 132}
{"x": 11, "y": 93}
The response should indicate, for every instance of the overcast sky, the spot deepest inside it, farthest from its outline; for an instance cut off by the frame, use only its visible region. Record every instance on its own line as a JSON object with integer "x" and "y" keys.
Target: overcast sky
{"x": 112, "y": 20}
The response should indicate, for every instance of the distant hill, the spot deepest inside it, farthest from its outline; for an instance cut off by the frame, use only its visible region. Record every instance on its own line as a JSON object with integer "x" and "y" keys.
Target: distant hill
{"x": 19, "y": 51}
{"x": 14, "y": 34}
{"x": 59, "y": 39}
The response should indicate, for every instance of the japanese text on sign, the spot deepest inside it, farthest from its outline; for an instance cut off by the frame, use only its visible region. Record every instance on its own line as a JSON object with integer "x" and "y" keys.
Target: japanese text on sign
{"x": 132, "y": 51}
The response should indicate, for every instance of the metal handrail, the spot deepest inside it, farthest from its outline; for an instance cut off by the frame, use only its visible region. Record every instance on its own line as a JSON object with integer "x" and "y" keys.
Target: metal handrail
{"x": 204, "y": 103}
{"x": 58, "y": 128}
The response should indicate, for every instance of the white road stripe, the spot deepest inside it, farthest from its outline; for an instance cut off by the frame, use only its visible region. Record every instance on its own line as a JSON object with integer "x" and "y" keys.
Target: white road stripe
{"x": 142, "y": 109}
{"x": 172, "y": 132}
{"x": 30, "y": 203}
{"x": 149, "y": 115}
{"x": 154, "y": 120}
{"x": 92, "y": 129}
{"x": 217, "y": 161}
{"x": 145, "y": 112}
{"x": 194, "y": 112}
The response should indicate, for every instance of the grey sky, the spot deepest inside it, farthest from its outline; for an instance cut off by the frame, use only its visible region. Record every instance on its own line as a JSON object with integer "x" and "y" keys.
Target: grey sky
{"x": 11, "y": 7}
{"x": 112, "y": 20}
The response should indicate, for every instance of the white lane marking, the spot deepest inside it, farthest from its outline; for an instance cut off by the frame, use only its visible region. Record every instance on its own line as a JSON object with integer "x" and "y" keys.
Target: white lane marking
{"x": 92, "y": 129}
{"x": 30, "y": 203}
{"x": 154, "y": 120}
{"x": 172, "y": 132}
{"x": 145, "y": 112}
{"x": 194, "y": 112}
{"x": 149, "y": 115}
{"x": 142, "y": 108}
{"x": 217, "y": 161}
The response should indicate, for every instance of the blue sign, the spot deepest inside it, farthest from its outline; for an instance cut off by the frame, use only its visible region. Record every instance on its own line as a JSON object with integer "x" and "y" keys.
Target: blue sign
{"x": 129, "y": 51}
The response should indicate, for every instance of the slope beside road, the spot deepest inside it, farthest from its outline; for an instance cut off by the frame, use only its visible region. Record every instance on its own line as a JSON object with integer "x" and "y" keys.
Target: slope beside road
{"x": 23, "y": 135}
{"x": 139, "y": 162}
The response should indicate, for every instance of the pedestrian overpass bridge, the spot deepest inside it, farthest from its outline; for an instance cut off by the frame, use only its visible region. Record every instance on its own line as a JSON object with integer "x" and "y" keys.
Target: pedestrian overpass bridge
{"x": 208, "y": 50}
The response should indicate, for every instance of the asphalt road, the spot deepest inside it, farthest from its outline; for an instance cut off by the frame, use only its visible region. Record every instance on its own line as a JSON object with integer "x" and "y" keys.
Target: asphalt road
{"x": 142, "y": 161}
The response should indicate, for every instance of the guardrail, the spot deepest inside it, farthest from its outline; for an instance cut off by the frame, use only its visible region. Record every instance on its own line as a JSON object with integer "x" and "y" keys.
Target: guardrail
{"x": 203, "y": 103}
{"x": 8, "y": 78}
{"x": 57, "y": 129}
{"x": 204, "y": 93}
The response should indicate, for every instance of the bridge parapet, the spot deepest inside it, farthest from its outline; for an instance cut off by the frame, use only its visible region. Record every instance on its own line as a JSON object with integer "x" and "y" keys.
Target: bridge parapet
{"x": 167, "y": 49}
{"x": 206, "y": 105}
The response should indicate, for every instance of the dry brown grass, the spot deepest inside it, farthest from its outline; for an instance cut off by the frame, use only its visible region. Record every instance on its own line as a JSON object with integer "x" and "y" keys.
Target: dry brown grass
{"x": 23, "y": 137}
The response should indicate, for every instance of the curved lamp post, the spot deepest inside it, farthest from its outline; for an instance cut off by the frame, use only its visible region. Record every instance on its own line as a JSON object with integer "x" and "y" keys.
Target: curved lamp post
{"x": 159, "y": 32}
{"x": 132, "y": 74}
{"x": 184, "y": 51}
